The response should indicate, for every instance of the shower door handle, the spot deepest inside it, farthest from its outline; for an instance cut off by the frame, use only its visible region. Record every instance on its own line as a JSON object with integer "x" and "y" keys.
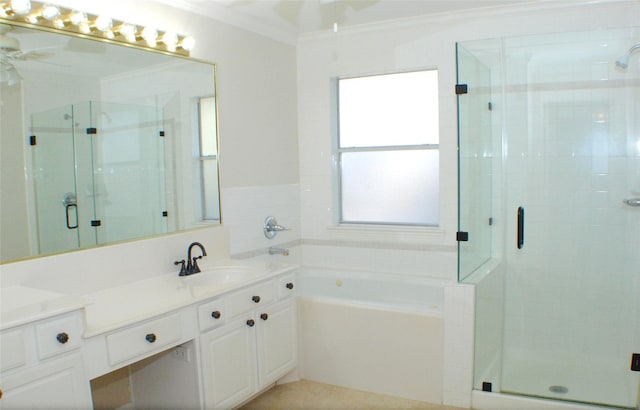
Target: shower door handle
{"x": 69, "y": 203}
{"x": 520, "y": 238}
{"x": 67, "y": 209}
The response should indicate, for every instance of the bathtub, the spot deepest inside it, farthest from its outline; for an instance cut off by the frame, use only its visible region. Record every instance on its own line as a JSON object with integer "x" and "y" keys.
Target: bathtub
{"x": 376, "y": 332}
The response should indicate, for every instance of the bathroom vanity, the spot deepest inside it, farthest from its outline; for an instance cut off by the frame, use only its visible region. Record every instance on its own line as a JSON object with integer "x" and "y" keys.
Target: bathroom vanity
{"x": 209, "y": 340}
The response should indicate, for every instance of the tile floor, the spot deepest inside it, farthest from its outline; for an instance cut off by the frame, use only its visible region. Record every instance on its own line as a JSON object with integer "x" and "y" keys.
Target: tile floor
{"x": 308, "y": 395}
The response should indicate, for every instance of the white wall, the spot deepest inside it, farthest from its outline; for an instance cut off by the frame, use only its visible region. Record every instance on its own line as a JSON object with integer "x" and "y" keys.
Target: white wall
{"x": 257, "y": 105}
{"x": 403, "y": 46}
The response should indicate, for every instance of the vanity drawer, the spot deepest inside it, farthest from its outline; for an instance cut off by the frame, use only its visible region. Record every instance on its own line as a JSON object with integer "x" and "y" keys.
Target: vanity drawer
{"x": 212, "y": 314}
{"x": 286, "y": 286}
{"x": 251, "y": 298}
{"x": 145, "y": 338}
{"x": 58, "y": 336}
{"x": 12, "y": 350}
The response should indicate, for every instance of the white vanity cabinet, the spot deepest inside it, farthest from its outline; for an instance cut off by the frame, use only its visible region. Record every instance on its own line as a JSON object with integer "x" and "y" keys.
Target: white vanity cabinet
{"x": 254, "y": 348}
{"x": 41, "y": 365}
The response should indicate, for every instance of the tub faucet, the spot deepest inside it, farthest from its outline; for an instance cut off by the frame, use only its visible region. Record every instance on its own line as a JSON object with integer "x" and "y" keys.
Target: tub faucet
{"x": 192, "y": 262}
{"x": 278, "y": 251}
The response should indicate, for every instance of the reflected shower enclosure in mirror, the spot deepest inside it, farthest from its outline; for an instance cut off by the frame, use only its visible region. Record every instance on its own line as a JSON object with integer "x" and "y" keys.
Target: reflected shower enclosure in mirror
{"x": 101, "y": 143}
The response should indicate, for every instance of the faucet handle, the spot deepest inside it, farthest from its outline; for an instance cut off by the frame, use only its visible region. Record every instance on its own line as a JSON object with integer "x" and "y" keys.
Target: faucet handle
{"x": 271, "y": 227}
{"x": 183, "y": 269}
{"x": 195, "y": 268}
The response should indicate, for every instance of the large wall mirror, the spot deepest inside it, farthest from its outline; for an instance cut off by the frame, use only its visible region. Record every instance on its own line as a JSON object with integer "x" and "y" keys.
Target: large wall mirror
{"x": 101, "y": 143}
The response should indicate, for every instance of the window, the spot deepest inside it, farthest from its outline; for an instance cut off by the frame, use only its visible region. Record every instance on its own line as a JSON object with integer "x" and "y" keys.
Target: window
{"x": 208, "y": 158}
{"x": 388, "y": 149}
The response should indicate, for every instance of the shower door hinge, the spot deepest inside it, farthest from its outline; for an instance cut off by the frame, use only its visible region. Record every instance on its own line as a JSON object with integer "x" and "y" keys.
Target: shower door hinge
{"x": 490, "y": 106}
{"x": 165, "y": 214}
{"x": 96, "y": 222}
{"x": 32, "y": 140}
{"x": 461, "y": 89}
{"x": 635, "y": 362}
{"x": 462, "y": 236}
{"x": 91, "y": 131}
{"x": 161, "y": 133}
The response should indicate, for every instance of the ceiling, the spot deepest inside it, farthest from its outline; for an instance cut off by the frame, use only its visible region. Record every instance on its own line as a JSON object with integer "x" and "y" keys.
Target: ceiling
{"x": 286, "y": 20}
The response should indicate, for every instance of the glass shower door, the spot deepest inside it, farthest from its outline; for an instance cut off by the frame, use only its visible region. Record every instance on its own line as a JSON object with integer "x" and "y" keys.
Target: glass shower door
{"x": 474, "y": 163}
{"x": 55, "y": 186}
{"x": 128, "y": 177}
{"x": 99, "y": 175}
{"x": 572, "y": 285}
{"x": 569, "y": 151}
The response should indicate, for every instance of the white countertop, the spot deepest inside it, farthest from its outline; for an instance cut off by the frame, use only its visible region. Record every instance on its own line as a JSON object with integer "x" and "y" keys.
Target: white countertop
{"x": 112, "y": 308}
{"x": 21, "y": 304}
{"x": 116, "y": 307}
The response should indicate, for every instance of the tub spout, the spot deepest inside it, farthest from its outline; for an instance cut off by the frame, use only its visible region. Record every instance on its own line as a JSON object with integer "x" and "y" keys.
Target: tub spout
{"x": 278, "y": 251}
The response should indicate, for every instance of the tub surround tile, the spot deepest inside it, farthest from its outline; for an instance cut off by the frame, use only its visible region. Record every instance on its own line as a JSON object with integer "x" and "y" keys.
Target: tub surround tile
{"x": 350, "y": 255}
{"x": 244, "y": 210}
{"x": 459, "y": 302}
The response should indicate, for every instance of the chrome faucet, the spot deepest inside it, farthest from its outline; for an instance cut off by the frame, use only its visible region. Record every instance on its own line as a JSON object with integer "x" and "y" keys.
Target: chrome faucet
{"x": 192, "y": 262}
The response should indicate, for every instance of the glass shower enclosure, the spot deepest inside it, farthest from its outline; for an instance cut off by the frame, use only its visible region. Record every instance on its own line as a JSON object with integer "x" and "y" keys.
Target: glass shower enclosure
{"x": 98, "y": 174}
{"x": 549, "y": 213}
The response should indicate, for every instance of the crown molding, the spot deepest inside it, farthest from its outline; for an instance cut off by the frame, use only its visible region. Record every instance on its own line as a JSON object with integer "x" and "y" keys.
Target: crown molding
{"x": 449, "y": 17}
{"x": 238, "y": 20}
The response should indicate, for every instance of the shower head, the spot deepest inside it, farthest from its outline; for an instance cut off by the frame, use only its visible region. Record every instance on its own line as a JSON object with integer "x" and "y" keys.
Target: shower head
{"x": 623, "y": 61}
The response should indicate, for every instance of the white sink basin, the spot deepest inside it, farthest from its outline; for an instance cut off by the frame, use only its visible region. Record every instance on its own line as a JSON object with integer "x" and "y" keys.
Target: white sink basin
{"x": 221, "y": 275}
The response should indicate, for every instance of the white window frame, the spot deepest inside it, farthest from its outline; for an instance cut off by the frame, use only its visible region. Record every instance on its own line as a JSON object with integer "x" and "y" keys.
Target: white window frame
{"x": 338, "y": 151}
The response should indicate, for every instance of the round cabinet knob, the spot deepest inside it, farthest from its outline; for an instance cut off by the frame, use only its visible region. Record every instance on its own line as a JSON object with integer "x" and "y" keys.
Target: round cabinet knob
{"x": 62, "y": 337}
{"x": 264, "y": 316}
{"x": 250, "y": 323}
{"x": 256, "y": 299}
{"x": 216, "y": 314}
{"x": 151, "y": 337}
{"x": 289, "y": 285}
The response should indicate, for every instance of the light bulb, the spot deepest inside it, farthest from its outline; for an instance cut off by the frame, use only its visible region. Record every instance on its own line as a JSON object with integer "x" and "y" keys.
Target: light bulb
{"x": 78, "y": 17}
{"x": 128, "y": 31}
{"x": 170, "y": 39}
{"x": 103, "y": 23}
{"x": 150, "y": 36}
{"x": 50, "y": 12}
{"x": 20, "y": 7}
{"x": 188, "y": 43}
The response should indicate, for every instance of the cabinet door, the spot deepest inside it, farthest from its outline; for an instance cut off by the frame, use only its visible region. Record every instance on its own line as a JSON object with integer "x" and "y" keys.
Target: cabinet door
{"x": 277, "y": 341}
{"x": 229, "y": 363}
{"x": 57, "y": 384}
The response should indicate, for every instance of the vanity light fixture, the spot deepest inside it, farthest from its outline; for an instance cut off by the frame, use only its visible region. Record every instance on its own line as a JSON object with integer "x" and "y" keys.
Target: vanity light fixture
{"x": 49, "y": 16}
